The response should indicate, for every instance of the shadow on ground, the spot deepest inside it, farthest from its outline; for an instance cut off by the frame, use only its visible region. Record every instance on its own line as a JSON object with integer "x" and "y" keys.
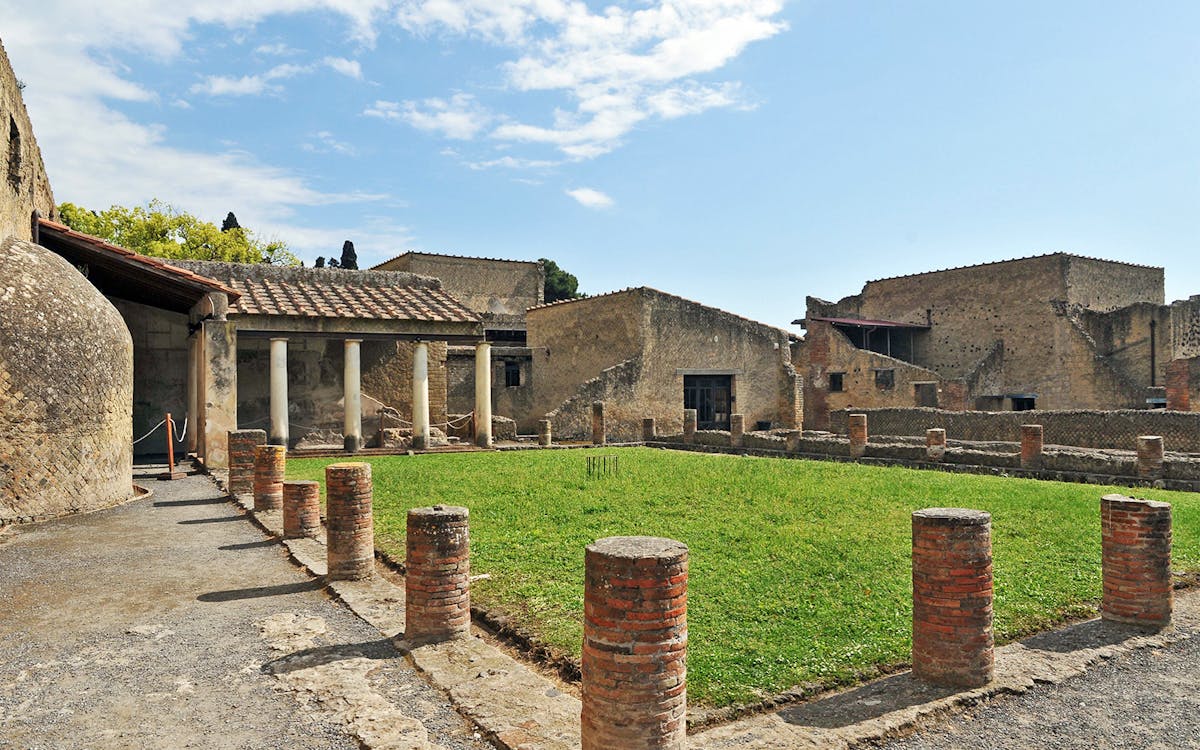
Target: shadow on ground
{"x": 283, "y": 589}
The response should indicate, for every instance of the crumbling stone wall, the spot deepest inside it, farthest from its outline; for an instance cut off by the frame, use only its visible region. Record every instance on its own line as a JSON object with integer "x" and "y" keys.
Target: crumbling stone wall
{"x": 66, "y": 389}
{"x": 507, "y": 401}
{"x": 23, "y": 182}
{"x": 160, "y": 371}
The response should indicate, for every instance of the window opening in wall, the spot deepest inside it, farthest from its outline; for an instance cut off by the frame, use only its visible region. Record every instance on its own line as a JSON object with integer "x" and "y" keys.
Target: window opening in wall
{"x": 711, "y": 397}
{"x": 1023, "y": 403}
{"x": 925, "y": 394}
{"x": 512, "y": 374}
{"x": 837, "y": 382}
{"x": 14, "y": 154}
{"x": 885, "y": 380}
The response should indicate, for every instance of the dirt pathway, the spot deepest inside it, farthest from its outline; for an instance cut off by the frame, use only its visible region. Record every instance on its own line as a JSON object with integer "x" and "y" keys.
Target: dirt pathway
{"x": 171, "y": 622}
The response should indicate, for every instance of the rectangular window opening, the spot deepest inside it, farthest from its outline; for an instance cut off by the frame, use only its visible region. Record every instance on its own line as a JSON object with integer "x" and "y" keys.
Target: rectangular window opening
{"x": 885, "y": 380}
{"x": 837, "y": 382}
{"x": 512, "y": 374}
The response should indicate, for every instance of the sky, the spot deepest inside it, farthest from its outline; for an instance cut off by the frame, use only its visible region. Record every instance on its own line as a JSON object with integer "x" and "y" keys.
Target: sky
{"x": 741, "y": 154}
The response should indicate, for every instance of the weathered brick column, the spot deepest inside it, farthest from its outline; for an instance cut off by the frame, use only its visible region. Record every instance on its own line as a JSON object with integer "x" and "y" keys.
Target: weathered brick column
{"x": 952, "y": 596}
{"x": 858, "y": 435}
{"x": 241, "y": 459}
{"x": 1178, "y": 396}
{"x": 635, "y": 644}
{"x": 935, "y": 444}
{"x": 598, "y": 435}
{"x": 689, "y": 425}
{"x": 301, "y": 509}
{"x": 270, "y": 465}
{"x": 791, "y": 441}
{"x": 349, "y": 522}
{"x": 1150, "y": 456}
{"x": 544, "y": 437}
{"x": 437, "y": 578}
{"x": 737, "y": 429}
{"x": 649, "y": 431}
{"x": 1136, "y": 548}
{"x": 1031, "y": 446}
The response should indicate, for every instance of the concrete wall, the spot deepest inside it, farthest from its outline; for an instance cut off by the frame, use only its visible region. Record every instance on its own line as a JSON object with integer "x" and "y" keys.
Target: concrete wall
{"x": 501, "y": 290}
{"x": 66, "y": 390}
{"x": 23, "y": 182}
{"x": 160, "y": 371}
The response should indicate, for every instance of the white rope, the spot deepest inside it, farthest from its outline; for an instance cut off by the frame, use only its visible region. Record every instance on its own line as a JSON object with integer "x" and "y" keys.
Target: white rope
{"x": 182, "y": 434}
{"x": 151, "y": 432}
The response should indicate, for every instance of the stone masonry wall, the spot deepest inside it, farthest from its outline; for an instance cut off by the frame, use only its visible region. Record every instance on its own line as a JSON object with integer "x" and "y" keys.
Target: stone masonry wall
{"x": 160, "y": 371}
{"x": 66, "y": 390}
{"x": 23, "y": 182}
{"x": 501, "y": 290}
{"x": 507, "y": 401}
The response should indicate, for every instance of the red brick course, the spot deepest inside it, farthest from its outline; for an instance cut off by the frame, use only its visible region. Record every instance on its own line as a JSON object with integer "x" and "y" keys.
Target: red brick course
{"x": 935, "y": 444}
{"x": 689, "y": 425}
{"x": 598, "y": 436}
{"x": 1150, "y": 456}
{"x": 857, "y": 429}
{"x": 437, "y": 578}
{"x": 241, "y": 459}
{"x": 635, "y": 644}
{"x": 1136, "y": 549}
{"x": 270, "y": 465}
{"x": 952, "y": 596}
{"x": 349, "y": 520}
{"x": 301, "y": 509}
{"x": 1178, "y": 395}
{"x": 1031, "y": 446}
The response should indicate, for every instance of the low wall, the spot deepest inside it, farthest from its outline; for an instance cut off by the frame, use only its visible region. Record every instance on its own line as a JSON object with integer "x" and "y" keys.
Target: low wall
{"x": 1085, "y": 429}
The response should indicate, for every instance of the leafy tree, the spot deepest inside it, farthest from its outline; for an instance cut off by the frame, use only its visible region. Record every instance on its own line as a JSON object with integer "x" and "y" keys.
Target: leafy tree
{"x": 559, "y": 284}
{"x": 349, "y": 257}
{"x": 230, "y": 222}
{"x": 333, "y": 263}
{"x": 320, "y": 262}
{"x": 160, "y": 230}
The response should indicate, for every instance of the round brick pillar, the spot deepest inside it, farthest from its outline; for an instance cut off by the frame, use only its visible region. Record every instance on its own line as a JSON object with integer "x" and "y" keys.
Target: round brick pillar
{"x": 241, "y": 459}
{"x": 952, "y": 596}
{"x": 1149, "y": 456}
{"x": 635, "y": 644}
{"x": 649, "y": 431}
{"x": 737, "y": 429}
{"x": 1031, "y": 446}
{"x": 437, "y": 576}
{"x": 858, "y": 435}
{"x": 935, "y": 444}
{"x": 270, "y": 465}
{"x": 349, "y": 522}
{"x": 1136, "y": 548}
{"x": 544, "y": 436}
{"x": 301, "y": 509}
{"x": 689, "y": 425}
{"x": 598, "y": 435}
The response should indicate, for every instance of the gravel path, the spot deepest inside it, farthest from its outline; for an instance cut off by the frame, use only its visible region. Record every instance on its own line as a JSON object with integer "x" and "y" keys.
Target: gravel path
{"x": 1149, "y": 700}
{"x": 171, "y": 622}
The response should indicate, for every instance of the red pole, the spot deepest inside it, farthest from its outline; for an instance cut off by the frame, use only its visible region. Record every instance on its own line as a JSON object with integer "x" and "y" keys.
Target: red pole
{"x": 171, "y": 473}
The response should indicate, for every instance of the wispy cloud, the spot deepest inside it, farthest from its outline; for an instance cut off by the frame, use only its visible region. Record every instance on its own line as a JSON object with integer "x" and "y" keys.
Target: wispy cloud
{"x": 460, "y": 117}
{"x": 324, "y": 143}
{"x": 254, "y": 85}
{"x": 591, "y": 198}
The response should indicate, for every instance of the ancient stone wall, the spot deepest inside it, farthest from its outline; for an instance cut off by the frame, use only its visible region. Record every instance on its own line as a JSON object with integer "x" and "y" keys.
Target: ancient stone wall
{"x": 1117, "y": 429}
{"x": 160, "y": 371}
{"x": 66, "y": 390}
{"x": 23, "y": 182}
{"x": 499, "y": 290}
{"x": 1105, "y": 285}
{"x": 1184, "y": 328}
{"x": 507, "y": 401}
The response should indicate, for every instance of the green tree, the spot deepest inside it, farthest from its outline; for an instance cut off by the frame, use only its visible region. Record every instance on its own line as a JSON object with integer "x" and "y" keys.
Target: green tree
{"x": 160, "y": 230}
{"x": 559, "y": 284}
{"x": 349, "y": 257}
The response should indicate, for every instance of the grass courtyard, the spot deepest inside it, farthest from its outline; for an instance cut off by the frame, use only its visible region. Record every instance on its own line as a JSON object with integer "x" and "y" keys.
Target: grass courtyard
{"x": 800, "y": 570}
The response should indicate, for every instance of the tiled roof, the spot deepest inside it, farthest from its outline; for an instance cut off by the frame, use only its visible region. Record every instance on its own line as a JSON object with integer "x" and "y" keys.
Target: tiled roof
{"x": 451, "y": 255}
{"x": 335, "y": 293}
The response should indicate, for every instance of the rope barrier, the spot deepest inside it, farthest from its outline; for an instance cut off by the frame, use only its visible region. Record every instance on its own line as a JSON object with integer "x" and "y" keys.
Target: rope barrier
{"x": 151, "y": 432}
{"x": 181, "y": 433}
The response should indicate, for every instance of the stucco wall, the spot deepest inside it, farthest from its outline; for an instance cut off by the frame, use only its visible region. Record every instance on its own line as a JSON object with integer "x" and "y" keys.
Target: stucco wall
{"x": 23, "y": 182}
{"x": 66, "y": 389}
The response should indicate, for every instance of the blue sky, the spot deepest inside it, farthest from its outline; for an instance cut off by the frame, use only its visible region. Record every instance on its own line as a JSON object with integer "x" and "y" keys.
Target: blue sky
{"x": 743, "y": 154}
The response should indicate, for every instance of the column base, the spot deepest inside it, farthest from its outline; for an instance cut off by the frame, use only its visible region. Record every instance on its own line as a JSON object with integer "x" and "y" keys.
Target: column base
{"x": 352, "y": 443}
{"x": 483, "y": 441}
{"x": 419, "y": 442}
{"x": 277, "y": 440}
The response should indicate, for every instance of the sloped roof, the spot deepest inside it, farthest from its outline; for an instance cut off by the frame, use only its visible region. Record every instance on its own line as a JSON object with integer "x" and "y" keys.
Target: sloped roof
{"x": 451, "y": 256}
{"x": 334, "y": 293}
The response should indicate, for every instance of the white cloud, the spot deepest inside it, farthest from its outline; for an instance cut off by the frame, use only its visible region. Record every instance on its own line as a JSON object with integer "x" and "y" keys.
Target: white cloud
{"x": 279, "y": 49}
{"x": 348, "y": 68}
{"x": 253, "y": 85}
{"x": 325, "y": 143}
{"x": 460, "y": 117}
{"x": 512, "y": 162}
{"x": 591, "y": 198}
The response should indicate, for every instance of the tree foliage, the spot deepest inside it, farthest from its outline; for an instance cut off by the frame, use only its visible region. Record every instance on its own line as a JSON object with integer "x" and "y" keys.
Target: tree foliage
{"x": 560, "y": 285}
{"x": 162, "y": 231}
{"x": 349, "y": 257}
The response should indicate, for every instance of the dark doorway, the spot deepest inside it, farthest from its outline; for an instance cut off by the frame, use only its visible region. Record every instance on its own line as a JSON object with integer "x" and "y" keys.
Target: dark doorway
{"x": 710, "y": 396}
{"x": 926, "y": 394}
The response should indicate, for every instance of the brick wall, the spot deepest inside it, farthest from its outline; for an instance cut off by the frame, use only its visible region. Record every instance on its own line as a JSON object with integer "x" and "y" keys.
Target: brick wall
{"x": 23, "y": 182}
{"x": 498, "y": 289}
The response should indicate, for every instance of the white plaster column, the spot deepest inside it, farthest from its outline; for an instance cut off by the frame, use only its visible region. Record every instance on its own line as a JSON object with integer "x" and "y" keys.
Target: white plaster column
{"x": 352, "y": 381}
{"x": 193, "y": 392}
{"x": 278, "y": 434}
{"x": 420, "y": 399}
{"x": 483, "y": 394}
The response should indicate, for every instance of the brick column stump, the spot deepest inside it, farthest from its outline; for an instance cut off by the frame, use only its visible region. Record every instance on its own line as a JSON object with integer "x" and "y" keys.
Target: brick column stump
{"x": 649, "y": 431}
{"x": 791, "y": 441}
{"x": 241, "y": 459}
{"x": 952, "y": 597}
{"x": 689, "y": 425}
{"x": 1136, "y": 549}
{"x": 858, "y": 435}
{"x": 544, "y": 432}
{"x": 935, "y": 444}
{"x": 598, "y": 435}
{"x": 270, "y": 466}
{"x": 437, "y": 579}
{"x": 1031, "y": 446}
{"x": 1150, "y": 456}
{"x": 349, "y": 522}
{"x": 635, "y": 644}
{"x": 737, "y": 429}
{"x": 301, "y": 509}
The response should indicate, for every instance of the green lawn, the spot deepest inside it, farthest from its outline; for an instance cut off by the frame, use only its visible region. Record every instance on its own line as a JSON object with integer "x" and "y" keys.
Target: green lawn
{"x": 800, "y": 570}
